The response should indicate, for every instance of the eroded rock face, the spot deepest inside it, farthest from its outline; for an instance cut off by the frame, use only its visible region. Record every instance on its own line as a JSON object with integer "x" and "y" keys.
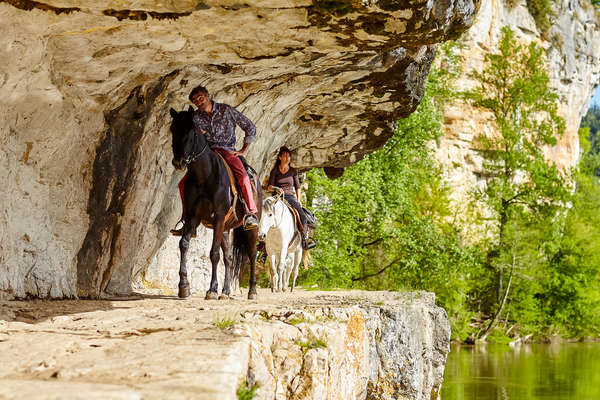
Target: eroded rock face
{"x": 88, "y": 189}
{"x": 573, "y": 45}
{"x": 356, "y": 352}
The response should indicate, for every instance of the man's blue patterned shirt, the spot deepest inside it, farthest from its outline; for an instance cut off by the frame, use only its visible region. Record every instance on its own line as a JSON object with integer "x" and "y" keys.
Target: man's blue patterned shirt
{"x": 220, "y": 127}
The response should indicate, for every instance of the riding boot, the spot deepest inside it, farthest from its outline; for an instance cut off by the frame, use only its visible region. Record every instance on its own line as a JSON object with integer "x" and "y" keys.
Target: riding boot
{"x": 250, "y": 220}
{"x": 307, "y": 242}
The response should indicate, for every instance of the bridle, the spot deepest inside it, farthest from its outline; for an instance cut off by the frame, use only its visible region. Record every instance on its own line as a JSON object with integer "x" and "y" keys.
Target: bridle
{"x": 193, "y": 157}
{"x": 277, "y": 217}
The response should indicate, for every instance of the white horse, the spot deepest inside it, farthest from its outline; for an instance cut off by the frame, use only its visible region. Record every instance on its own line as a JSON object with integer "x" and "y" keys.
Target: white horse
{"x": 283, "y": 245}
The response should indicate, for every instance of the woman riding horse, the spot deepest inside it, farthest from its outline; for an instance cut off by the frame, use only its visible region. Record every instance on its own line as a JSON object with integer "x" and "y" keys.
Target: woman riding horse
{"x": 285, "y": 178}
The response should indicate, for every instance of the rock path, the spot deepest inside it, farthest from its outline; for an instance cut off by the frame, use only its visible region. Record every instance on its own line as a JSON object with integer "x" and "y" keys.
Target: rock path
{"x": 147, "y": 346}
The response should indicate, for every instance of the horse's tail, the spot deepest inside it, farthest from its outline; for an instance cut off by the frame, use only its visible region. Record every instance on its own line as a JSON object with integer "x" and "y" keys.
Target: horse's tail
{"x": 241, "y": 252}
{"x": 306, "y": 258}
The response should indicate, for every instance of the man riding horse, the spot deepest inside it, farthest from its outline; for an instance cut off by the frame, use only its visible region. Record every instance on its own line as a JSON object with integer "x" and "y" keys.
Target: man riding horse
{"x": 217, "y": 121}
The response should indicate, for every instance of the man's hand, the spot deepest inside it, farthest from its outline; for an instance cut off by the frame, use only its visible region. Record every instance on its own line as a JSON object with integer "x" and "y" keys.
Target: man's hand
{"x": 242, "y": 151}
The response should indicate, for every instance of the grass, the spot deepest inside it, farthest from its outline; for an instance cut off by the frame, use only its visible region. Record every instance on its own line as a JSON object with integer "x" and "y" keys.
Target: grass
{"x": 301, "y": 320}
{"x": 246, "y": 393}
{"x": 297, "y": 321}
{"x": 311, "y": 343}
{"x": 225, "y": 322}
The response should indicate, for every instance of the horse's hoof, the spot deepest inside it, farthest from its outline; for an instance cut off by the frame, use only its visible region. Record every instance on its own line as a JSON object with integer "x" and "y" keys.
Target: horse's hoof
{"x": 211, "y": 296}
{"x": 223, "y": 297}
{"x": 184, "y": 291}
{"x": 251, "y": 296}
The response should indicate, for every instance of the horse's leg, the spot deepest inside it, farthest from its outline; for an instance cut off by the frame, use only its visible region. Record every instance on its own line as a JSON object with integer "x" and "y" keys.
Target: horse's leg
{"x": 236, "y": 273}
{"x": 273, "y": 272}
{"x": 212, "y": 292}
{"x": 289, "y": 266}
{"x": 184, "y": 244}
{"x": 297, "y": 258}
{"x": 281, "y": 267}
{"x": 252, "y": 237}
{"x": 228, "y": 261}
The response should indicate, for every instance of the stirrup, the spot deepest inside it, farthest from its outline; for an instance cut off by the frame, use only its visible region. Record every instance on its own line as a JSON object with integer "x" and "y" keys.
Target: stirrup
{"x": 309, "y": 244}
{"x": 179, "y": 232}
{"x": 250, "y": 222}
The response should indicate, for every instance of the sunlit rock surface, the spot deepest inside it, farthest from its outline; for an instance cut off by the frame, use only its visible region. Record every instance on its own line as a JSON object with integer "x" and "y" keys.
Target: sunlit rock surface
{"x": 573, "y": 45}
{"x": 88, "y": 192}
{"x": 342, "y": 345}
{"x": 351, "y": 352}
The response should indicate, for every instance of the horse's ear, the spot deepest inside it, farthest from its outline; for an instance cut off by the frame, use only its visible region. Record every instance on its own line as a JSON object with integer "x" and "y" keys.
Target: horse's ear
{"x": 191, "y": 109}
{"x": 173, "y": 113}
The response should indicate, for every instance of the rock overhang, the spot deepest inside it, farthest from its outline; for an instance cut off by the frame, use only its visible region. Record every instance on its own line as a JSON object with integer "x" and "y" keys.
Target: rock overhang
{"x": 86, "y": 89}
{"x": 352, "y": 67}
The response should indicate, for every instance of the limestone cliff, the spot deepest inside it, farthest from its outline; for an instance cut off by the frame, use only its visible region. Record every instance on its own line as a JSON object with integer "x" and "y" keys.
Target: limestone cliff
{"x": 573, "y": 46}
{"x": 88, "y": 192}
{"x": 350, "y": 352}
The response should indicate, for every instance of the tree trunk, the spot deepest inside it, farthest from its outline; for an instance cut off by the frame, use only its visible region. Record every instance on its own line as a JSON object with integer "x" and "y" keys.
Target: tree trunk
{"x": 495, "y": 318}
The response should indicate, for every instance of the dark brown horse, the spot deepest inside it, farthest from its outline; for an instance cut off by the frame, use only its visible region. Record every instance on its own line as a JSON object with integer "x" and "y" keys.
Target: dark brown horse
{"x": 207, "y": 200}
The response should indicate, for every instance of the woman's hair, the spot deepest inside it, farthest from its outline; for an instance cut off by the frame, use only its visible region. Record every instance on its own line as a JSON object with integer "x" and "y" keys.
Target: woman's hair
{"x": 282, "y": 149}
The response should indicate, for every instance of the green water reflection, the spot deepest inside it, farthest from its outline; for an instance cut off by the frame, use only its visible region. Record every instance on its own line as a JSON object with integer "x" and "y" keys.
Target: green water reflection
{"x": 527, "y": 372}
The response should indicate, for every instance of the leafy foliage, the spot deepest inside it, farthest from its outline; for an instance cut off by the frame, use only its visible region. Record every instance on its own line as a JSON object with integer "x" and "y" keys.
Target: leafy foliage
{"x": 246, "y": 393}
{"x": 591, "y": 122}
{"x": 383, "y": 224}
{"x": 521, "y": 188}
{"x": 542, "y": 12}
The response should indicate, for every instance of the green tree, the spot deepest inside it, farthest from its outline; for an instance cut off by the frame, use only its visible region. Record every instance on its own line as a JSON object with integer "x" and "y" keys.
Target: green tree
{"x": 383, "y": 223}
{"x": 542, "y": 12}
{"x": 569, "y": 293}
{"x": 521, "y": 185}
{"x": 591, "y": 121}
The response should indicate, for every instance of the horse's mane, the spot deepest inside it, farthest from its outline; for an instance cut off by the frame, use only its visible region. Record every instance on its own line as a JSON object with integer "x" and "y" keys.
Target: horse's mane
{"x": 270, "y": 202}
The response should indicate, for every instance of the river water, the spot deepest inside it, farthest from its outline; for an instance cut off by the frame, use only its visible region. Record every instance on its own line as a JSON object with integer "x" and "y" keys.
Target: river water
{"x": 526, "y": 372}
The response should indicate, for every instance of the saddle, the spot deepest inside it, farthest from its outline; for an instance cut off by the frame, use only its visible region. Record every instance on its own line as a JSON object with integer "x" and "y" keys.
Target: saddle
{"x": 294, "y": 212}
{"x": 297, "y": 221}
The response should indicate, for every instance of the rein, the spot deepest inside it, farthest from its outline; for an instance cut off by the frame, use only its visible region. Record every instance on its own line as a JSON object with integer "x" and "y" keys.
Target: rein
{"x": 193, "y": 157}
{"x": 277, "y": 218}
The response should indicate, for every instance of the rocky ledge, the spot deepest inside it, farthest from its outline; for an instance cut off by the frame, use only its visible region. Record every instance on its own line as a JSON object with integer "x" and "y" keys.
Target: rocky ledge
{"x": 306, "y": 345}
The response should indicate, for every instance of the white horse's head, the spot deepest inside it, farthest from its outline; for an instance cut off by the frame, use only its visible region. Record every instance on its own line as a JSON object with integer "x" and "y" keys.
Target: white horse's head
{"x": 268, "y": 218}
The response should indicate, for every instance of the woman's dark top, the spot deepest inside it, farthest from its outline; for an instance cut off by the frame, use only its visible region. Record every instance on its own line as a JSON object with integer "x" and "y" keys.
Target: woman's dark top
{"x": 289, "y": 181}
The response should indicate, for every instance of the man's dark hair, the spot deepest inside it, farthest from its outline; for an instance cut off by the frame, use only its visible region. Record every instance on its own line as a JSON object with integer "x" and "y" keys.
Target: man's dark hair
{"x": 197, "y": 89}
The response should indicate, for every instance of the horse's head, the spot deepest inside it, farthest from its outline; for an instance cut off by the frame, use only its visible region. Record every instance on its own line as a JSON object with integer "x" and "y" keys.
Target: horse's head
{"x": 185, "y": 142}
{"x": 267, "y": 219}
